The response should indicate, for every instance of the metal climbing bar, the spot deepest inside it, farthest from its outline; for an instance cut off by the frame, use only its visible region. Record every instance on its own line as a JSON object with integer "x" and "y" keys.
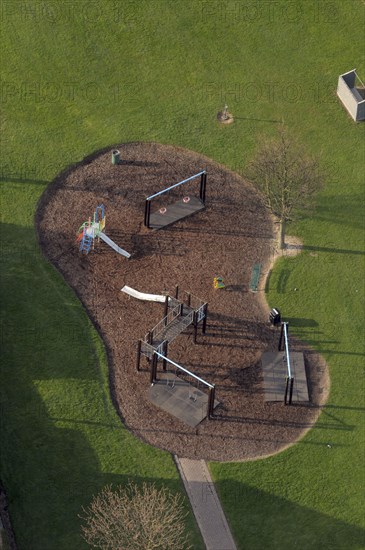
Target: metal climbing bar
{"x": 184, "y": 370}
{"x": 284, "y": 346}
{"x": 287, "y": 350}
{"x": 175, "y": 185}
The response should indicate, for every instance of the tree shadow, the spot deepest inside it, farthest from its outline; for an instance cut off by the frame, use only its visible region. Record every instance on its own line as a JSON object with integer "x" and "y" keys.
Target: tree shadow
{"x": 281, "y": 522}
{"x": 258, "y": 119}
{"x": 138, "y": 163}
{"x": 335, "y": 250}
{"x": 336, "y": 352}
{"x": 336, "y": 425}
{"x": 55, "y": 406}
{"x": 300, "y": 322}
{"x": 19, "y": 179}
{"x": 342, "y": 209}
{"x": 283, "y": 281}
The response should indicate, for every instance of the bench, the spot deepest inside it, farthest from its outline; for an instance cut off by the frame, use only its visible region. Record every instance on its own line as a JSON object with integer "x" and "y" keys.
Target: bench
{"x": 256, "y": 271}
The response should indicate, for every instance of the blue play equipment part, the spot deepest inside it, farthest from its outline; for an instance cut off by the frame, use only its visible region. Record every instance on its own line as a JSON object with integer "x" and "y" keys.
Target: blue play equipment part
{"x": 99, "y": 209}
{"x": 86, "y": 243}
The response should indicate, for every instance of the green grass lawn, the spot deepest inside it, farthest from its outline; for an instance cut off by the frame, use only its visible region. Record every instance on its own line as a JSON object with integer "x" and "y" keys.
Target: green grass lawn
{"x": 76, "y": 79}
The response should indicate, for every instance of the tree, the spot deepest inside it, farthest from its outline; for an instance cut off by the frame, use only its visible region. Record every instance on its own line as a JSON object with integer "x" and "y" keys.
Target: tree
{"x": 135, "y": 518}
{"x": 287, "y": 176}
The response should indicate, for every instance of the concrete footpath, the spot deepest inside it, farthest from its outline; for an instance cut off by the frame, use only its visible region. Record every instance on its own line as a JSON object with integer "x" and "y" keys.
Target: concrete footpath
{"x": 205, "y": 503}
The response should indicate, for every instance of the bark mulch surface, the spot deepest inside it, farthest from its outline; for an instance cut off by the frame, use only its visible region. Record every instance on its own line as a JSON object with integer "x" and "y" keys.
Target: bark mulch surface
{"x": 227, "y": 238}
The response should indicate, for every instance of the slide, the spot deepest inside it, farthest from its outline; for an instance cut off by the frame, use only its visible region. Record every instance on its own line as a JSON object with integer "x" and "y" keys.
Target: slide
{"x": 114, "y": 246}
{"x": 142, "y": 296}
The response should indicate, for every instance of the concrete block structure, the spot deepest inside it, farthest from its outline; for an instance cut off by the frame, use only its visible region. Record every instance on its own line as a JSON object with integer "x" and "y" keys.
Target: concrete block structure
{"x": 351, "y": 91}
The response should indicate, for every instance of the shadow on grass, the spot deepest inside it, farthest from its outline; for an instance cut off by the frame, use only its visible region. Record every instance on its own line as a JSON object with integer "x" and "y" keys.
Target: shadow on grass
{"x": 334, "y": 351}
{"x": 340, "y": 209}
{"x": 283, "y": 281}
{"x": 341, "y": 407}
{"x": 335, "y": 250}
{"x": 15, "y": 179}
{"x": 299, "y": 322}
{"x": 336, "y": 425}
{"x": 258, "y": 119}
{"x": 60, "y": 435}
{"x": 260, "y": 520}
{"x": 49, "y": 473}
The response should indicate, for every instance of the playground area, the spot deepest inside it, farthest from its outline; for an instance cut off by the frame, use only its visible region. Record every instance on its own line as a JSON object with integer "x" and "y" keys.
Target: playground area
{"x": 227, "y": 238}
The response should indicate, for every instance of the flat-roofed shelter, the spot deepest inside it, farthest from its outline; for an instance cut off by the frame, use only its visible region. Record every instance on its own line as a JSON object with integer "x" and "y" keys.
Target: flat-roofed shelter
{"x": 351, "y": 91}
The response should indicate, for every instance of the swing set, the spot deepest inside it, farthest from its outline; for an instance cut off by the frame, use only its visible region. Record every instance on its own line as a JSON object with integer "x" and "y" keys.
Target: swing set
{"x": 170, "y": 213}
{"x": 193, "y": 384}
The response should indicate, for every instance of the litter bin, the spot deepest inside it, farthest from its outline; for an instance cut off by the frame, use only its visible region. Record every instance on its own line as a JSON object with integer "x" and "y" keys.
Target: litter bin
{"x": 115, "y": 156}
{"x": 275, "y": 317}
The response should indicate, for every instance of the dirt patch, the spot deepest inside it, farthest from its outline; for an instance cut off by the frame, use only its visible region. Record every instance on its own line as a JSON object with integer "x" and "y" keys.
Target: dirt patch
{"x": 227, "y": 238}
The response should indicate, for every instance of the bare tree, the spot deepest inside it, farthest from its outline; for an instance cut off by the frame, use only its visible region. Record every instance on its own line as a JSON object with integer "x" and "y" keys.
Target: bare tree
{"x": 135, "y": 518}
{"x": 287, "y": 176}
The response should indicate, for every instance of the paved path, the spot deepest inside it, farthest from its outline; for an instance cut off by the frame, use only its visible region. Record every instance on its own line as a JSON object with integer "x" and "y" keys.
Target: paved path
{"x": 205, "y": 502}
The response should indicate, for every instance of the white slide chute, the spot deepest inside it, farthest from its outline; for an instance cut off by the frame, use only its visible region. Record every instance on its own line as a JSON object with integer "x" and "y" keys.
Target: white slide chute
{"x": 114, "y": 246}
{"x": 142, "y": 296}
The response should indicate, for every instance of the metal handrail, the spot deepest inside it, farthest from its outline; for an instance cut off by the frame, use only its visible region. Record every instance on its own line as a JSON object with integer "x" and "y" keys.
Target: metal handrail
{"x": 287, "y": 350}
{"x": 171, "y": 316}
{"x": 185, "y": 370}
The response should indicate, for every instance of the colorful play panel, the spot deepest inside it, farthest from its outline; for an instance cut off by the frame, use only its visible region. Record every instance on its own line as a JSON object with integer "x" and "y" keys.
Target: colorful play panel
{"x": 90, "y": 230}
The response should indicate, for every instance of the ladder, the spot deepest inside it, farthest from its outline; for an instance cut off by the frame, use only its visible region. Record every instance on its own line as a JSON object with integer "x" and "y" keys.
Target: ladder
{"x": 85, "y": 244}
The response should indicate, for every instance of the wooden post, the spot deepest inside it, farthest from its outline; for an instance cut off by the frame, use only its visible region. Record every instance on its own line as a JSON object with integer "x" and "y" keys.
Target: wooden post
{"x": 188, "y": 300}
{"x": 176, "y": 292}
{"x": 165, "y": 351}
{"x": 291, "y": 387}
{"x": 195, "y": 321}
{"x": 181, "y": 309}
{"x": 151, "y": 372}
{"x": 286, "y": 391}
{"x": 211, "y": 402}
{"x": 203, "y": 183}
{"x": 139, "y": 344}
{"x": 149, "y": 337}
{"x": 166, "y": 309}
{"x": 148, "y": 213}
{"x": 155, "y": 369}
{"x": 281, "y": 338}
{"x": 147, "y": 208}
{"x": 204, "y": 329}
{"x": 153, "y": 376}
